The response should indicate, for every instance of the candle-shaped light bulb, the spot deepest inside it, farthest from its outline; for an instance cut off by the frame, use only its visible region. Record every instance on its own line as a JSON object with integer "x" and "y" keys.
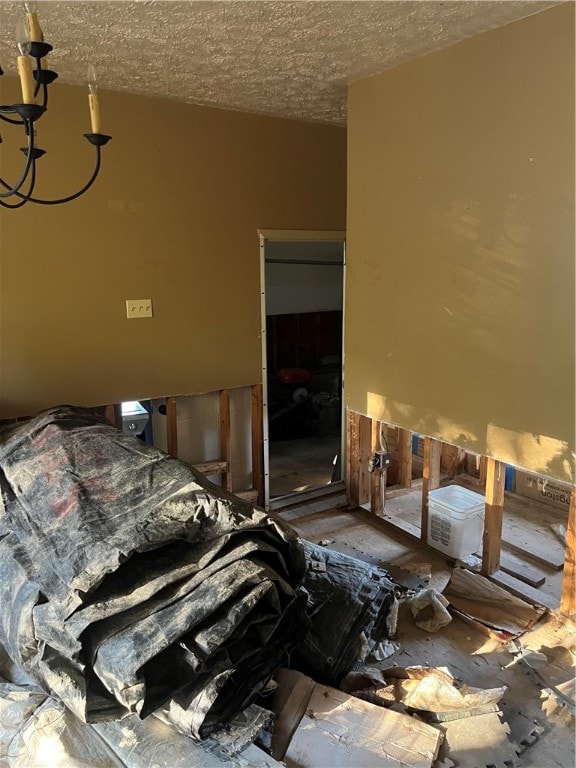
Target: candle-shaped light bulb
{"x": 22, "y": 35}
{"x": 93, "y": 99}
{"x": 92, "y": 79}
{"x": 32, "y": 21}
{"x": 24, "y": 63}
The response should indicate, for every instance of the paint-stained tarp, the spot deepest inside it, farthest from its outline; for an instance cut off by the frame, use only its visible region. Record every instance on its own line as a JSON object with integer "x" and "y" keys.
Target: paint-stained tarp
{"x": 127, "y": 581}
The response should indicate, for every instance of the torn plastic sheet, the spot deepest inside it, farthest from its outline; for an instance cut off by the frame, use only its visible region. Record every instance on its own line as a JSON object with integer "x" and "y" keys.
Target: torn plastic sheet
{"x": 128, "y": 581}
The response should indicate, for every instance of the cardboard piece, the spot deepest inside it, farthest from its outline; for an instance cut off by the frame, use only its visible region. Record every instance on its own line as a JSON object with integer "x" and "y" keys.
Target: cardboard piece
{"x": 338, "y": 730}
{"x": 551, "y": 492}
{"x": 476, "y": 598}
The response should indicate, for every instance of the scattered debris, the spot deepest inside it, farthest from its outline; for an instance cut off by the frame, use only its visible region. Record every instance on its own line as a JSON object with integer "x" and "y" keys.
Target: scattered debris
{"x": 559, "y": 531}
{"x": 429, "y": 609}
{"x": 472, "y": 562}
{"x": 485, "y": 743}
{"x": 318, "y": 725}
{"x": 382, "y": 650}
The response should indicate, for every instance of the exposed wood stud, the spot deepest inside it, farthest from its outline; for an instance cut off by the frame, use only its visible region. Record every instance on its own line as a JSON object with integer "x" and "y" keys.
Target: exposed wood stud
{"x": 225, "y": 437}
{"x": 453, "y": 460}
{"x": 404, "y": 458}
{"x": 365, "y": 447}
{"x": 568, "y": 599}
{"x": 353, "y": 459}
{"x": 378, "y": 477}
{"x": 493, "y": 513}
{"x": 114, "y": 414}
{"x": 257, "y": 442}
{"x": 482, "y": 470}
{"x": 430, "y": 478}
{"x": 171, "y": 427}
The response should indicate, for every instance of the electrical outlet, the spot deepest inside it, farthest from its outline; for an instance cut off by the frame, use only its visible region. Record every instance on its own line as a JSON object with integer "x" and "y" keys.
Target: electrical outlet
{"x": 379, "y": 460}
{"x": 138, "y": 308}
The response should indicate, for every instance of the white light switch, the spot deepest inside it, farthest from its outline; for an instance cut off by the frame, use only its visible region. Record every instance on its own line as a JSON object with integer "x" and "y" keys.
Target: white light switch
{"x": 138, "y": 308}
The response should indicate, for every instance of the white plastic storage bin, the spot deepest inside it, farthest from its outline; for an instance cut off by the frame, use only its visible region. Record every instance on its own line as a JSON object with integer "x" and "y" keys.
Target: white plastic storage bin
{"x": 455, "y": 520}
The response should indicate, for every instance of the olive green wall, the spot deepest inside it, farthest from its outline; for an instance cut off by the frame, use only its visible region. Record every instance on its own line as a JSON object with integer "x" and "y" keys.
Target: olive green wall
{"x": 460, "y": 245}
{"x": 174, "y": 217}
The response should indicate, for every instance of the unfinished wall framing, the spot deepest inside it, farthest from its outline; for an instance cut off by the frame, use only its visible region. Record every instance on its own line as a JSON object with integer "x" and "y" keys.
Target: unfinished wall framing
{"x": 219, "y": 466}
{"x": 420, "y": 462}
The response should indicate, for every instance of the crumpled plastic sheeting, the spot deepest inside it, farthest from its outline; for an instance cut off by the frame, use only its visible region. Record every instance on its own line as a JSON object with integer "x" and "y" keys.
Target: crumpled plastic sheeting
{"x": 349, "y": 602}
{"x": 430, "y": 610}
{"x": 128, "y": 581}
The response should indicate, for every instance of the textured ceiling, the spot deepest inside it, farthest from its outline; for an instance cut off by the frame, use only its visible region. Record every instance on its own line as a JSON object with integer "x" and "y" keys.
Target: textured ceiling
{"x": 288, "y": 59}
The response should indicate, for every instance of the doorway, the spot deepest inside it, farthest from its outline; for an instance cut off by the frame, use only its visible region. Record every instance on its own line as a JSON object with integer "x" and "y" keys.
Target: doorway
{"x": 302, "y": 278}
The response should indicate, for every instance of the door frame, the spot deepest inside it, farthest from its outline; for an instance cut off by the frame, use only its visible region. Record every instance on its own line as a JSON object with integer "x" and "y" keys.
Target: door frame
{"x": 296, "y": 235}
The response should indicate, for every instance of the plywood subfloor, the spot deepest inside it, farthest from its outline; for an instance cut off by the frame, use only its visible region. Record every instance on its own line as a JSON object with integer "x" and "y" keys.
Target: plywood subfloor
{"x": 527, "y": 525}
{"x": 538, "y": 728}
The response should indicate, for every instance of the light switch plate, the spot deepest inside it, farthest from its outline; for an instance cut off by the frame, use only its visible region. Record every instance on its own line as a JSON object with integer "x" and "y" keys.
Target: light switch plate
{"x": 138, "y": 308}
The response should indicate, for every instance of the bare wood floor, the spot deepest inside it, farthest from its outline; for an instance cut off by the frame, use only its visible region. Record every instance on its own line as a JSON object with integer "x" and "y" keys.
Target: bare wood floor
{"x": 538, "y": 726}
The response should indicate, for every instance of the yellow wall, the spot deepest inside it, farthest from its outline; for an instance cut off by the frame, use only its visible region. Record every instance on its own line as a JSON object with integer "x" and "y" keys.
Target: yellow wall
{"x": 460, "y": 277}
{"x": 173, "y": 217}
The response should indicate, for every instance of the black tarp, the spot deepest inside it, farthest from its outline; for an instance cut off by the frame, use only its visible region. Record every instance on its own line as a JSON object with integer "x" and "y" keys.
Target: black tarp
{"x": 128, "y": 581}
{"x": 349, "y": 602}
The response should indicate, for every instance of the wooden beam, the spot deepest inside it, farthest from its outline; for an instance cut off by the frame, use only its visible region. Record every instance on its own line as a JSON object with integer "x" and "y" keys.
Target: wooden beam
{"x": 482, "y": 470}
{"x": 568, "y": 599}
{"x": 492, "y": 538}
{"x": 364, "y": 450}
{"x": 250, "y": 495}
{"x": 430, "y": 479}
{"x": 171, "y": 427}
{"x": 404, "y": 458}
{"x": 215, "y": 467}
{"x": 353, "y": 434}
{"x": 453, "y": 460}
{"x": 378, "y": 477}
{"x": 225, "y": 437}
{"x": 114, "y": 414}
{"x": 257, "y": 442}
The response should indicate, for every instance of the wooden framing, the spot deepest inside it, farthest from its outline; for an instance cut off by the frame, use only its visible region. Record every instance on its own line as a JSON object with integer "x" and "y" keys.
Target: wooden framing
{"x": 353, "y": 463}
{"x": 114, "y": 414}
{"x": 225, "y": 437}
{"x": 453, "y": 459}
{"x": 222, "y": 464}
{"x": 377, "y": 479}
{"x": 430, "y": 478}
{"x": 568, "y": 599}
{"x": 171, "y": 427}
{"x": 364, "y": 452}
{"x": 441, "y": 462}
{"x": 404, "y": 477}
{"x": 492, "y": 537}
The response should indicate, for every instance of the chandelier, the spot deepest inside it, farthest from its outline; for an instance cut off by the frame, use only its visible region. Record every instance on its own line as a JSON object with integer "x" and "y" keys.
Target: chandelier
{"x": 35, "y": 82}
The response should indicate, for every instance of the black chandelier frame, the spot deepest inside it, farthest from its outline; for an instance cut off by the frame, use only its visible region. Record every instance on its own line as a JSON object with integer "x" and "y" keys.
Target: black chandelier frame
{"x": 27, "y": 115}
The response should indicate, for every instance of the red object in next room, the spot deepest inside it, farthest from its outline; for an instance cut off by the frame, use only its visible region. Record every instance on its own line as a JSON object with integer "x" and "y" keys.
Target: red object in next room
{"x": 293, "y": 375}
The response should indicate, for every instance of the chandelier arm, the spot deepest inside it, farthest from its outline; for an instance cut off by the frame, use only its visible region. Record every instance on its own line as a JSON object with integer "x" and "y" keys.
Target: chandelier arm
{"x": 76, "y": 194}
{"x": 25, "y": 198}
{"x": 38, "y": 79}
{"x": 4, "y": 110}
{"x": 45, "y": 97}
{"x": 27, "y": 165}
